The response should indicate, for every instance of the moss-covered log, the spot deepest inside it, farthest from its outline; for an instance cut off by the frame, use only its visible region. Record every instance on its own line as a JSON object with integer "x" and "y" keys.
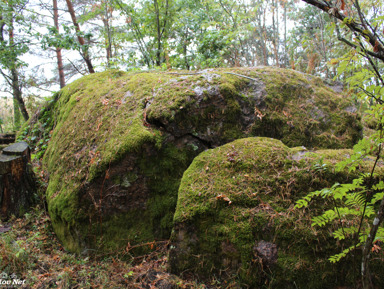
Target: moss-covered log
{"x": 17, "y": 182}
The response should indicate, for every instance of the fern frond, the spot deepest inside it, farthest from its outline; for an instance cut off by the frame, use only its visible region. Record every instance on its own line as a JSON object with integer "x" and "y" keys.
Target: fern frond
{"x": 343, "y": 233}
{"x": 356, "y": 199}
{"x": 342, "y": 190}
{"x": 323, "y": 193}
{"x": 370, "y": 211}
{"x": 338, "y": 257}
{"x": 376, "y": 198}
{"x": 325, "y": 218}
{"x": 379, "y": 186}
{"x": 379, "y": 235}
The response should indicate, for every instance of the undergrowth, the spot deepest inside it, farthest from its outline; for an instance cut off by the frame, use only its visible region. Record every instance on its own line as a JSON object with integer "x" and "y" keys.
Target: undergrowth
{"x": 30, "y": 251}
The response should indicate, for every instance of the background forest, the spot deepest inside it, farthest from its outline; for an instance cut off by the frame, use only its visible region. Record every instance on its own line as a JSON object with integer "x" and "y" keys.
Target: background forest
{"x": 46, "y": 44}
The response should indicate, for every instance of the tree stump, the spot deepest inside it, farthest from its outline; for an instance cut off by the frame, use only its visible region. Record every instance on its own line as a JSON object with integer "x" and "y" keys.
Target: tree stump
{"x": 7, "y": 138}
{"x": 17, "y": 180}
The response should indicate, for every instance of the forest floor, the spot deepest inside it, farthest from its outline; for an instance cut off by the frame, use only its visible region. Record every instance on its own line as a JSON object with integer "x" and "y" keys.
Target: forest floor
{"x": 30, "y": 252}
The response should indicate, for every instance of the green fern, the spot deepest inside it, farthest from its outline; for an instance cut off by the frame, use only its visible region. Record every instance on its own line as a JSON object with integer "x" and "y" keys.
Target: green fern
{"x": 326, "y": 217}
{"x": 337, "y": 257}
{"x": 350, "y": 203}
{"x": 343, "y": 233}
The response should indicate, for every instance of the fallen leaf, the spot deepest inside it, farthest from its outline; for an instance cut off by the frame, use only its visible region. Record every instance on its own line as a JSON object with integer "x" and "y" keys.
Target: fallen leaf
{"x": 224, "y": 198}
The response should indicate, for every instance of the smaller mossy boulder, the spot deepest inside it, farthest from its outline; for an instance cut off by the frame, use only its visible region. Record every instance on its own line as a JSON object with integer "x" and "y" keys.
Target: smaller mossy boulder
{"x": 235, "y": 217}
{"x": 118, "y": 142}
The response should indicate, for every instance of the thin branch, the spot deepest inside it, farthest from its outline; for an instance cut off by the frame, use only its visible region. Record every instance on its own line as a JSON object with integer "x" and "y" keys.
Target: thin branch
{"x": 363, "y": 23}
{"x": 74, "y": 66}
{"x": 351, "y": 44}
{"x": 7, "y": 78}
{"x": 372, "y": 29}
{"x": 352, "y": 25}
{"x": 375, "y": 226}
{"x": 229, "y": 13}
{"x": 138, "y": 36}
{"x": 367, "y": 55}
{"x": 380, "y": 101}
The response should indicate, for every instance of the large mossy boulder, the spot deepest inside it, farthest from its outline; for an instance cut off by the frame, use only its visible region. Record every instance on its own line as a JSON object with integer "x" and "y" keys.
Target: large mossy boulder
{"x": 235, "y": 217}
{"x": 121, "y": 141}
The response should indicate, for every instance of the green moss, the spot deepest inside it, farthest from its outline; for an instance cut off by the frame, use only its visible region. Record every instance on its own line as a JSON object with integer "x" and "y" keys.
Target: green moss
{"x": 298, "y": 108}
{"x": 108, "y": 127}
{"x": 165, "y": 168}
{"x": 236, "y": 195}
{"x": 138, "y": 132}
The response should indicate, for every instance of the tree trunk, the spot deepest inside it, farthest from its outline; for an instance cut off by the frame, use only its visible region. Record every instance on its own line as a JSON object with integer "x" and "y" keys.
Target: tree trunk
{"x": 286, "y": 60}
{"x": 185, "y": 50}
{"x": 106, "y": 18}
{"x": 158, "y": 28}
{"x": 15, "y": 83}
{"x": 16, "y": 115}
{"x": 264, "y": 41}
{"x": 58, "y": 49}
{"x": 17, "y": 95}
{"x": 17, "y": 181}
{"x": 108, "y": 40}
{"x": 7, "y": 138}
{"x": 85, "y": 53}
{"x": 275, "y": 31}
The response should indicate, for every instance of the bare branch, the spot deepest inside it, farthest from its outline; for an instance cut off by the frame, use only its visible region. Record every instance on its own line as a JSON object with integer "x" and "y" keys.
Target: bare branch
{"x": 353, "y": 26}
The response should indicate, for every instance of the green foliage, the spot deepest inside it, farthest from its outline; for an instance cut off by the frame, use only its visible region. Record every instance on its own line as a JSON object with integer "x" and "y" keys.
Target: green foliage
{"x": 66, "y": 40}
{"x": 16, "y": 45}
{"x": 350, "y": 206}
{"x": 355, "y": 204}
{"x": 310, "y": 46}
{"x": 37, "y": 132}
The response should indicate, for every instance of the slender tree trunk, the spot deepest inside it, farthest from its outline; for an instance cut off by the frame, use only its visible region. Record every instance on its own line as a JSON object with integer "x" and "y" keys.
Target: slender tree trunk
{"x": 108, "y": 33}
{"x": 185, "y": 50}
{"x": 108, "y": 42}
{"x": 158, "y": 51}
{"x": 16, "y": 115}
{"x": 275, "y": 31}
{"x": 160, "y": 29}
{"x": 323, "y": 45}
{"x": 264, "y": 41}
{"x": 85, "y": 53}
{"x": 58, "y": 49}
{"x": 285, "y": 36}
{"x": 17, "y": 94}
{"x": 145, "y": 51}
{"x": 16, "y": 89}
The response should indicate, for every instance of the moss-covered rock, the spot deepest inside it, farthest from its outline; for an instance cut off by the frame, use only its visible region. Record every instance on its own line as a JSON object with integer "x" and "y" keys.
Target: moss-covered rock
{"x": 235, "y": 216}
{"x": 120, "y": 142}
